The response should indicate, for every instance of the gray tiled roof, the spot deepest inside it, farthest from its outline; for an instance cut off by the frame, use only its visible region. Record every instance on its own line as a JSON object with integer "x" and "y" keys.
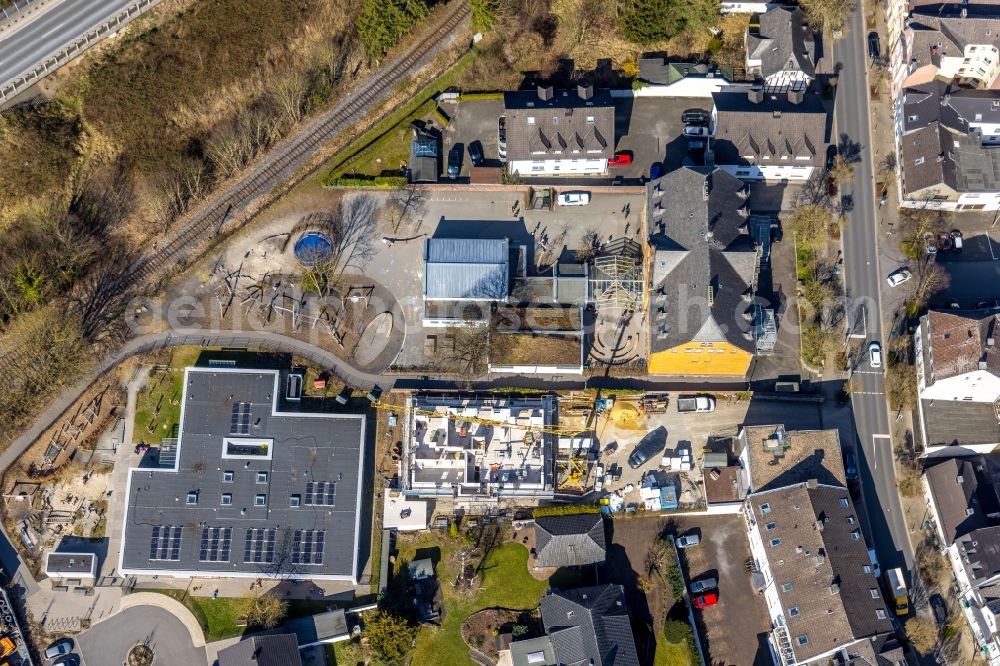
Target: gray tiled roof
{"x": 958, "y": 422}
{"x": 705, "y": 245}
{"x": 459, "y": 268}
{"x": 567, "y": 126}
{"x": 590, "y": 625}
{"x": 565, "y": 541}
{"x": 533, "y": 652}
{"x": 944, "y": 29}
{"x": 963, "y": 495}
{"x": 771, "y": 128}
{"x": 784, "y": 43}
{"x": 818, "y": 567}
{"x": 303, "y": 448}
{"x": 266, "y": 650}
{"x": 980, "y": 551}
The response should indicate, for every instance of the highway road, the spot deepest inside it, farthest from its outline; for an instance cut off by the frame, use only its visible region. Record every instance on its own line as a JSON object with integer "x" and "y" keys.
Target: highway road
{"x": 61, "y": 24}
{"x": 863, "y": 280}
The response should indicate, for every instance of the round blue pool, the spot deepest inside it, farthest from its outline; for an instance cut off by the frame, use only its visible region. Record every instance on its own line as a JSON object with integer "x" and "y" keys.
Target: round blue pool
{"x": 312, "y": 248}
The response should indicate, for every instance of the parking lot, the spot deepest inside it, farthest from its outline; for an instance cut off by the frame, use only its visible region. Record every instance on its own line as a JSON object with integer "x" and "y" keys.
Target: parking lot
{"x": 734, "y": 631}
{"x": 974, "y": 272}
{"x": 649, "y": 128}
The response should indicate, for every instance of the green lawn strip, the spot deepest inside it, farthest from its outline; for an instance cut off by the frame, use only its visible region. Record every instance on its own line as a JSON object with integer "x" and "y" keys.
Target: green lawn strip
{"x": 671, "y": 654}
{"x": 163, "y": 389}
{"x": 805, "y": 261}
{"x": 505, "y": 583}
{"x": 398, "y": 120}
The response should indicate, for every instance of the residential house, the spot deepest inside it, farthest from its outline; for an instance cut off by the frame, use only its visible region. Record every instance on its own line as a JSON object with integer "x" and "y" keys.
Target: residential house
{"x": 952, "y": 43}
{"x": 706, "y": 266}
{"x": 963, "y": 503}
{"x": 569, "y": 541}
{"x": 958, "y": 380}
{"x": 455, "y": 446}
{"x": 588, "y": 625}
{"x": 773, "y": 457}
{"x": 264, "y": 650}
{"x": 472, "y": 281}
{"x": 555, "y": 133}
{"x": 821, "y": 594}
{"x": 781, "y": 49}
{"x": 948, "y": 145}
{"x": 424, "y": 161}
{"x": 275, "y": 494}
{"x": 769, "y": 136}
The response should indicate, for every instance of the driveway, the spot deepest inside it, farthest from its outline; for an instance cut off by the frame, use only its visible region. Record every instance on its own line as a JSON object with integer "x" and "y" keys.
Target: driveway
{"x": 108, "y": 643}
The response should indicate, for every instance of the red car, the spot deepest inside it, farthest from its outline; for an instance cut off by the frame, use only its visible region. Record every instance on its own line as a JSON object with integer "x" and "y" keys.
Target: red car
{"x": 706, "y": 600}
{"x": 621, "y": 159}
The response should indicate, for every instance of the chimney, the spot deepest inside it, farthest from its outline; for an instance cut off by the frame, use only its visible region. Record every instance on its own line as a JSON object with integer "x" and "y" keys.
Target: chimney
{"x": 585, "y": 91}
{"x": 795, "y": 96}
{"x": 812, "y": 483}
{"x": 755, "y": 95}
{"x": 964, "y": 13}
{"x": 545, "y": 93}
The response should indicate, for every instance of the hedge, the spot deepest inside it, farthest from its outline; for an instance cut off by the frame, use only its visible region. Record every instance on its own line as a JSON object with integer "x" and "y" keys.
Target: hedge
{"x": 385, "y": 182}
{"x": 474, "y": 96}
{"x": 566, "y": 510}
{"x": 679, "y": 632}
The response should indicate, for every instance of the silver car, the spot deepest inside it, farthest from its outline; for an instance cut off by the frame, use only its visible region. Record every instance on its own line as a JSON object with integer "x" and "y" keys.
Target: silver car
{"x": 574, "y": 198}
{"x": 688, "y": 541}
{"x": 699, "y": 586}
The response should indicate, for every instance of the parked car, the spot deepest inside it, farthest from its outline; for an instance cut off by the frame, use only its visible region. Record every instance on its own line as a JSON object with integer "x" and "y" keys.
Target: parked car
{"x": 875, "y": 354}
{"x": 655, "y": 171}
{"x": 873, "y": 558}
{"x": 455, "y": 160}
{"x": 706, "y": 600}
{"x": 850, "y": 467}
{"x": 699, "y": 586}
{"x": 599, "y": 480}
{"x": 696, "y": 131}
{"x": 59, "y": 648}
{"x": 956, "y": 240}
{"x": 873, "y": 46}
{"x": 695, "y": 117}
{"x": 476, "y": 153}
{"x": 898, "y": 277}
{"x": 574, "y": 198}
{"x": 687, "y": 541}
{"x": 696, "y": 144}
{"x": 502, "y": 138}
{"x": 939, "y": 608}
{"x": 930, "y": 244}
{"x": 651, "y": 443}
{"x": 695, "y": 403}
{"x": 68, "y": 660}
{"x": 620, "y": 159}
{"x": 831, "y": 156}
{"x": 944, "y": 243}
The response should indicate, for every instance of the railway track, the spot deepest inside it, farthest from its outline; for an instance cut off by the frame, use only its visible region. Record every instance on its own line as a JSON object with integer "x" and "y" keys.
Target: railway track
{"x": 277, "y": 171}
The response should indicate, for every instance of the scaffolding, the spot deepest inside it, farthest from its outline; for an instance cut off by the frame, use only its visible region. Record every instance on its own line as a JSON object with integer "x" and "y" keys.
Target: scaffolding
{"x": 617, "y": 279}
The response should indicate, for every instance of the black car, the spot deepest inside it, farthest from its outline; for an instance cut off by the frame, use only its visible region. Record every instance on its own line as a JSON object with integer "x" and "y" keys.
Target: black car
{"x": 850, "y": 467}
{"x": 831, "y": 157}
{"x": 652, "y": 443}
{"x": 455, "y": 160}
{"x": 873, "y": 46}
{"x": 695, "y": 117}
{"x": 476, "y": 153}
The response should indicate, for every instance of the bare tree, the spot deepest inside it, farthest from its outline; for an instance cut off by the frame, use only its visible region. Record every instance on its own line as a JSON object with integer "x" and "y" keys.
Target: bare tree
{"x": 474, "y": 345}
{"x": 590, "y": 244}
{"x": 354, "y": 235}
{"x": 289, "y": 97}
{"x": 931, "y": 279}
{"x": 404, "y": 206}
{"x": 828, "y": 15}
{"x": 264, "y": 610}
{"x": 842, "y": 170}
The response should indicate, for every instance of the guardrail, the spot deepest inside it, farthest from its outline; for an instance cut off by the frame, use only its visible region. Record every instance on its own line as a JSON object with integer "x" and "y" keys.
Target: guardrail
{"x": 74, "y": 49}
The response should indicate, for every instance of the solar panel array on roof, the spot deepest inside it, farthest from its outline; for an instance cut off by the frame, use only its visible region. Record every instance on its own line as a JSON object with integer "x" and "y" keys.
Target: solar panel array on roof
{"x": 165, "y": 543}
{"x": 259, "y": 546}
{"x": 240, "y": 424}
{"x": 321, "y": 493}
{"x": 307, "y": 546}
{"x": 215, "y": 544}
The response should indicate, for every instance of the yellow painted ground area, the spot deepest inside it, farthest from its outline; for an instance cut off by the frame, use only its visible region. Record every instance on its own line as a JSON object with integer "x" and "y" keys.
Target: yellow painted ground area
{"x": 626, "y": 415}
{"x": 695, "y": 358}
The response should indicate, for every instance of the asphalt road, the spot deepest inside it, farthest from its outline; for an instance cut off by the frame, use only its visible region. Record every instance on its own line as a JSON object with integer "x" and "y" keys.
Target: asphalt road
{"x": 59, "y": 25}
{"x": 108, "y": 643}
{"x": 863, "y": 280}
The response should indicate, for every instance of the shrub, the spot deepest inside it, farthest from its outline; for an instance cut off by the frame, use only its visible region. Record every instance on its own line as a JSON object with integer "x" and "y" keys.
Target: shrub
{"x": 453, "y": 530}
{"x": 483, "y": 14}
{"x": 679, "y": 632}
{"x": 382, "y": 182}
{"x": 473, "y": 96}
{"x": 639, "y": 85}
{"x": 382, "y": 23}
{"x": 567, "y": 510}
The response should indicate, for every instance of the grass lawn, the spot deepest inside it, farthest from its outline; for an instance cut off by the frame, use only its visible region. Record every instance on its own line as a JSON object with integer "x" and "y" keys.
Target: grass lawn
{"x": 388, "y": 140}
{"x": 505, "y": 583}
{"x": 671, "y": 654}
{"x": 219, "y": 618}
{"x": 163, "y": 392}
